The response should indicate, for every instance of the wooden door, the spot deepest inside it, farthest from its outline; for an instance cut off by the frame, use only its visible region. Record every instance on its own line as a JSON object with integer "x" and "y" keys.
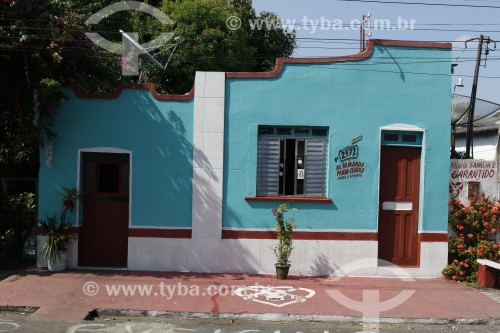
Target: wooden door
{"x": 399, "y": 205}
{"x": 105, "y": 199}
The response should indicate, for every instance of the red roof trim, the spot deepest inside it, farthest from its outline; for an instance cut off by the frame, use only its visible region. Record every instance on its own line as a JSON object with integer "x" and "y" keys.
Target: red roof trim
{"x": 159, "y": 233}
{"x": 433, "y": 237}
{"x": 277, "y": 70}
{"x": 302, "y": 235}
{"x": 360, "y": 56}
{"x": 119, "y": 89}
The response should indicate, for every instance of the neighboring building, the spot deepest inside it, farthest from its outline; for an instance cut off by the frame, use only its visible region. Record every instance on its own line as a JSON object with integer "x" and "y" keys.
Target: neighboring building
{"x": 359, "y": 143}
{"x": 486, "y": 127}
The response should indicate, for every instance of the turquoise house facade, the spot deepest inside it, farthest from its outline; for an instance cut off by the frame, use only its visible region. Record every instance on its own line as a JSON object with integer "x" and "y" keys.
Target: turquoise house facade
{"x": 358, "y": 144}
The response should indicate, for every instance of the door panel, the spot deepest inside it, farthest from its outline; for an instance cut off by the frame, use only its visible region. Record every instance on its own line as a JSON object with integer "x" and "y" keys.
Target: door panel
{"x": 105, "y": 200}
{"x": 399, "y": 205}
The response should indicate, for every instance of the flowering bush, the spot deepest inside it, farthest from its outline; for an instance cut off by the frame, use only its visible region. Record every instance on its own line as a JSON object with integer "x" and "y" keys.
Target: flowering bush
{"x": 473, "y": 231}
{"x": 285, "y": 230}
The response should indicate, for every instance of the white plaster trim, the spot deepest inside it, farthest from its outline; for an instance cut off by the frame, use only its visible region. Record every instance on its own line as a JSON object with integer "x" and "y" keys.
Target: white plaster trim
{"x": 208, "y": 156}
{"x": 432, "y": 232}
{"x": 405, "y": 128}
{"x": 423, "y": 170}
{"x": 255, "y": 256}
{"x": 110, "y": 150}
{"x": 402, "y": 128}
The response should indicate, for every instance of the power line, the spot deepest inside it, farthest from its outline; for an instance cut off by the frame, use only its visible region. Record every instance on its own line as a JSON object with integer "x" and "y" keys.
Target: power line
{"x": 423, "y": 4}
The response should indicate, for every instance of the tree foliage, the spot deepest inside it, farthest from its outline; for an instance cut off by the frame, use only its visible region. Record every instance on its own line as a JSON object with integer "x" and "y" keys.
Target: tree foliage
{"x": 207, "y": 44}
{"x": 43, "y": 45}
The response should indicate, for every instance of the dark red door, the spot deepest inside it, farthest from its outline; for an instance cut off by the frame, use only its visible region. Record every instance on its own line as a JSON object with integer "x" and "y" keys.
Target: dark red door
{"x": 105, "y": 200}
{"x": 398, "y": 212}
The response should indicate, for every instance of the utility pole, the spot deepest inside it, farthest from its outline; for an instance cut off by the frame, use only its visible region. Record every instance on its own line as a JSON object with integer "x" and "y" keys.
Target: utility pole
{"x": 470, "y": 123}
{"x": 469, "y": 152}
{"x": 362, "y": 37}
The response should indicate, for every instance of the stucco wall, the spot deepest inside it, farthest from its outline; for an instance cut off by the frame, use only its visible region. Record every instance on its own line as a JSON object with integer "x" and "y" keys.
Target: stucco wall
{"x": 159, "y": 135}
{"x": 393, "y": 85}
{"x": 194, "y": 161}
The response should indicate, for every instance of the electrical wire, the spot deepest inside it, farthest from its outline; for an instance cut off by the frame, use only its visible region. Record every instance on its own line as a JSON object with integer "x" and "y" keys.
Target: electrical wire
{"x": 423, "y": 4}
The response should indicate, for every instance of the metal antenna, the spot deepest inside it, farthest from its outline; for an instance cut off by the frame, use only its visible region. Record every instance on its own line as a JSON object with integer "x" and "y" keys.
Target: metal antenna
{"x": 148, "y": 55}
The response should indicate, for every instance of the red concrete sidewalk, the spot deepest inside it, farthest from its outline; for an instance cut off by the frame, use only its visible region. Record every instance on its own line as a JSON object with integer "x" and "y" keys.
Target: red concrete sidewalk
{"x": 70, "y": 295}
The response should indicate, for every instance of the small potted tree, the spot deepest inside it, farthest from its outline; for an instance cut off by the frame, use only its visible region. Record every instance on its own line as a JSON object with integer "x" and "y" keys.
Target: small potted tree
{"x": 285, "y": 229}
{"x": 58, "y": 233}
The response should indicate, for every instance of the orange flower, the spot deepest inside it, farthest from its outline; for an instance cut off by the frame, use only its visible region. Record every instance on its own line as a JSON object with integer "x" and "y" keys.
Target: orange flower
{"x": 486, "y": 224}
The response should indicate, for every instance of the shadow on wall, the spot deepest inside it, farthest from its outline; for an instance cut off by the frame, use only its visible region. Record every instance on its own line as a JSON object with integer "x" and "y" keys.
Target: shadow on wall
{"x": 322, "y": 266}
{"x": 162, "y": 164}
{"x": 401, "y": 73}
{"x": 167, "y": 194}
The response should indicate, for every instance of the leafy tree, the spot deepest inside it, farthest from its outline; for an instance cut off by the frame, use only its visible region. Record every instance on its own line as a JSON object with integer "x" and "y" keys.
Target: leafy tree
{"x": 207, "y": 44}
{"x": 43, "y": 45}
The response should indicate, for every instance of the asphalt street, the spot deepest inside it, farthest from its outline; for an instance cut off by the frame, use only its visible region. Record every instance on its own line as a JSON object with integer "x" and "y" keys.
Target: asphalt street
{"x": 17, "y": 323}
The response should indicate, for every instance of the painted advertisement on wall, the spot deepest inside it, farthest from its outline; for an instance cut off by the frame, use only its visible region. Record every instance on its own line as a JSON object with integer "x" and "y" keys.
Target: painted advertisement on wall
{"x": 471, "y": 178}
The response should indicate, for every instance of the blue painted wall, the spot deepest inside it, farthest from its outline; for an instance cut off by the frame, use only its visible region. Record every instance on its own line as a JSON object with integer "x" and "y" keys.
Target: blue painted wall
{"x": 394, "y": 85}
{"x": 160, "y": 136}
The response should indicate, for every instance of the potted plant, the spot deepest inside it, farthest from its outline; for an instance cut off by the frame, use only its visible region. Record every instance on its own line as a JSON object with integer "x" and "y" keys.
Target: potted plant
{"x": 69, "y": 197}
{"x": 58, "y": 233}
{"x": 285, "y": 229}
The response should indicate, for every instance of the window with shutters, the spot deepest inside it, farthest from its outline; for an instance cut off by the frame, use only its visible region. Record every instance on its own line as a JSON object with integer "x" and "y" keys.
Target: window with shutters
{"x": 292, "y": 161}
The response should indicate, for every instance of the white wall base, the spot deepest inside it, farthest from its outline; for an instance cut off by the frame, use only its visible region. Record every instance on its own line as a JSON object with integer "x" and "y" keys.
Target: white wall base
{"x": 253, "y": 256}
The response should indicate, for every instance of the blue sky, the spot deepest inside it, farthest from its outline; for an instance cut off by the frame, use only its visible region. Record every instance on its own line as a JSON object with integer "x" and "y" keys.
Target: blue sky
{"x": 465, "y": 22}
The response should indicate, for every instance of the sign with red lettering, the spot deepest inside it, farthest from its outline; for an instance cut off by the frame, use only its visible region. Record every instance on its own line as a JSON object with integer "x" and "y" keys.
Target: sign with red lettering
{"x": 467, "y": 175}
{"x": 351, "y": 169}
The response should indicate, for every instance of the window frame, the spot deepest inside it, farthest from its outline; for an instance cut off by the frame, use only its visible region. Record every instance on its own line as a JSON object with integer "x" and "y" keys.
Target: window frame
{"x": 315, "y": 161}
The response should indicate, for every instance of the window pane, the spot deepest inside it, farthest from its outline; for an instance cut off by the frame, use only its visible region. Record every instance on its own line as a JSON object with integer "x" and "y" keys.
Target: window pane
{"x": 300, "y": 167}
{"x": 265, "y": 130}
{"x": 282, "y": 168}
{"x": 391, "y": 137}
{"x": 409, "y": 138}
{"x": 284, "y": 131}
{"x": 108, "y": 178}
{"x": 319, "y": 132}
{"x": 268, "y": 159}
{"x": 302, "y": 131}
{"x": 290, "y": 167}
{"x": 315, "y": 168}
